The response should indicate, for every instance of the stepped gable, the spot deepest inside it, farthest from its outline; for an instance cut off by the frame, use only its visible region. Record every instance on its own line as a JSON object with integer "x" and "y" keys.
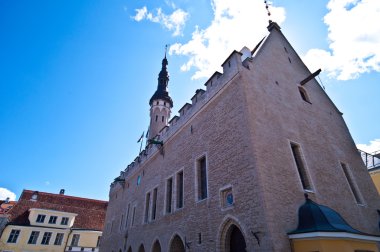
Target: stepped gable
{"x": 91, "y": 213}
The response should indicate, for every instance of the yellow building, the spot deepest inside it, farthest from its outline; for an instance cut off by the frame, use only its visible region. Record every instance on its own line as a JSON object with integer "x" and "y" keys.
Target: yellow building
{"x": 53, "y": 222}
{"x": 372, "y": 161}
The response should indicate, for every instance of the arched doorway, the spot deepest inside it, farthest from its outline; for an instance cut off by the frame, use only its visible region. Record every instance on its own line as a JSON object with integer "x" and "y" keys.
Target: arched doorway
{"x": 177, "y": 245}
{"x": 141, "y": 248}
{"x": 235, "y": 241}
{"x": 156, "y": 246}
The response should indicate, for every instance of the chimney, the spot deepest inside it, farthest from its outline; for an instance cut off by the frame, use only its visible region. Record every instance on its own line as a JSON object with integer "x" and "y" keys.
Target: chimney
{"x": 62, "y": 191}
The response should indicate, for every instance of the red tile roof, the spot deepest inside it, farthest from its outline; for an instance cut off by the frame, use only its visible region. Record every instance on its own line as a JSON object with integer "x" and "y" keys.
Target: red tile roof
{"x": 6, "y": 206}
{"x": 91, "y": 213}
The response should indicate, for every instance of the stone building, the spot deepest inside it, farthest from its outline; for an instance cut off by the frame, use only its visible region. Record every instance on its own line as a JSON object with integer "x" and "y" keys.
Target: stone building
{"x": 231, "y": 171}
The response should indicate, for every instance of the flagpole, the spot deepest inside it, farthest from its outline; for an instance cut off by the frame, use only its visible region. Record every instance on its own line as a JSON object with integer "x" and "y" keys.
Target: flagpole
{"x": 141, "y": 145}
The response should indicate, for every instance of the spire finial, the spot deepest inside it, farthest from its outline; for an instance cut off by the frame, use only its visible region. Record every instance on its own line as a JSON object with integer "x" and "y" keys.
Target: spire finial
{"x": 166, "y": 49}
{"x": 268, "y": 12}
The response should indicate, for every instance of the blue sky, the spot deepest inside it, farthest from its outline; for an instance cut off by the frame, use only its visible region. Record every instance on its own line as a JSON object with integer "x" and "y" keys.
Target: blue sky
{"x": 76, "y": 76}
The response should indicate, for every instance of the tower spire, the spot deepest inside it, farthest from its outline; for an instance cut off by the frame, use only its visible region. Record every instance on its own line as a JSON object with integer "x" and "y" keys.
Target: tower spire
{"x": 161, "y": 102}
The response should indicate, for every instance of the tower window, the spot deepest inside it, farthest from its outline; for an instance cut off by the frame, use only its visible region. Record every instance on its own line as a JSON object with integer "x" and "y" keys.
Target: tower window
{"x": 169, "y": 193}
{"x": 180, "y": 190}
{"x": 296, "y": 151}
{"x": 162, "y": 118}
{"x": 156, "y": 118}
{"x": 127, "y": 216}
{"x": 157, "y": 103}
{"x": 201, "y": 170}
{"x": 351, "y": 183}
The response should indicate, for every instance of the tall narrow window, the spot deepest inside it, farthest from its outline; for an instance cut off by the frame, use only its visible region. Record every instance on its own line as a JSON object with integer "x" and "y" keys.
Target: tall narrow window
{"x": 121, "y": 222}
{"x": 33, "y": 237}
{"x": 13, "y": 236}
{"x": 300, "y": 167}
{"x": 351, "y": 183}
{"x": 156, "y": 118}
{"x": 64, "y": 220}
{"x": 162, "y": 118}
{"x": 46, "y": 238}
{"x": 202, "y": 178}
{"x": 169, "y": 193}
{"x": 133, "y": 216}
{"x": 154, "y": 204}
{"x": 127, "y": 216}
{"x": 147, "y": 201}
{"x": 303, "y": 94}
{"x": 180, "y": 190}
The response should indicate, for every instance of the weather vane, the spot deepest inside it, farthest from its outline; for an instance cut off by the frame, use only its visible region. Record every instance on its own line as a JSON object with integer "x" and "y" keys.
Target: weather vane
{"x": 267, "y": 7}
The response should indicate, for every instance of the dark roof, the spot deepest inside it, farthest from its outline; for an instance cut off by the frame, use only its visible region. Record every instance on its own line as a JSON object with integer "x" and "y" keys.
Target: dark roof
{"x": 91, "y": 213}
{"x": 313, "y": 217}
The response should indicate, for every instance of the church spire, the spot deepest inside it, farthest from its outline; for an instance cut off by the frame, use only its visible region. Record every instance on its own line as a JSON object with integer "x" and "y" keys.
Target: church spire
{"x": 161, "y": 102}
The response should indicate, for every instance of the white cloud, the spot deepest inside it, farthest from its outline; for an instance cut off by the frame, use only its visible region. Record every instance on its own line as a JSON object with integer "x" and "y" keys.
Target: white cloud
{"x": 5, "y": 193}
{"x": 354, "y": 40}
{"x": 173, "y": 22}
{"x": 373, "y": 146}
{"x": 235, "y": 24}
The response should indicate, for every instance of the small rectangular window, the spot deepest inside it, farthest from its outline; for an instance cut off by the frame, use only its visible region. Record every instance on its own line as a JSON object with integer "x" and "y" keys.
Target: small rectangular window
{"x": 13, "y": 236}
{"x": 53, "y": 219}
{"x": 169, "y": 194}
{"x": 300, "y": 166}
{"x": 58, "y": 239}
{"x": 64, "y": 220}
{"x": 180, "y": 190}
{"x": 33, "y": 237}
{"x": 147, "y": 201}
{"x": 75, "y": 240}
{"x": 46, "y": 238}
{"x": 351, "y": 183}
{"x": 202, "y": 178}
{"x": 40, "y": 218}
{"x": 154, "y": 204}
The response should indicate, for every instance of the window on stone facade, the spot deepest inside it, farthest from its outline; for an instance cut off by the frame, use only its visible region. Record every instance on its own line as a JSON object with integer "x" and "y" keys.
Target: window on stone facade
{"x": 162, "y": 118}
{"x": 46, "y": 238}
{"x": 147, "y": 201}
{"x": 13, "y": 236}
{"x": 154, "y": 204}
{"x": 127, "y": 216}
{"x": 351, "y": 183}
{"x": 169, "y": 195}
{"x": 40, "y": 218}
{"x": 121, "y": 222}
{"x": 75, "y": 240}
{"x": 302, "y": 172}
{"x": 179, "y": 199}
{"x": 133, "y": 216}
{"x": 58, "y": 239}
{"x": 201, "y": 170}
{"x": 53, "y": 219}
{"x": 156, "y": 118}
{"x": 33, "y": 237}
{"x": 64, "y": 220}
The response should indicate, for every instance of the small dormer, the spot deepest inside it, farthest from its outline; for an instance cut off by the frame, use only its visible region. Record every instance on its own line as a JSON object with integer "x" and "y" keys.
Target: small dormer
{"x": 51, "y": 218}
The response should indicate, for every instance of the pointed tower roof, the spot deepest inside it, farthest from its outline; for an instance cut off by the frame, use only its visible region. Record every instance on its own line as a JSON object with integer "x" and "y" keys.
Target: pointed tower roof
{"x": 162, "y": 87}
